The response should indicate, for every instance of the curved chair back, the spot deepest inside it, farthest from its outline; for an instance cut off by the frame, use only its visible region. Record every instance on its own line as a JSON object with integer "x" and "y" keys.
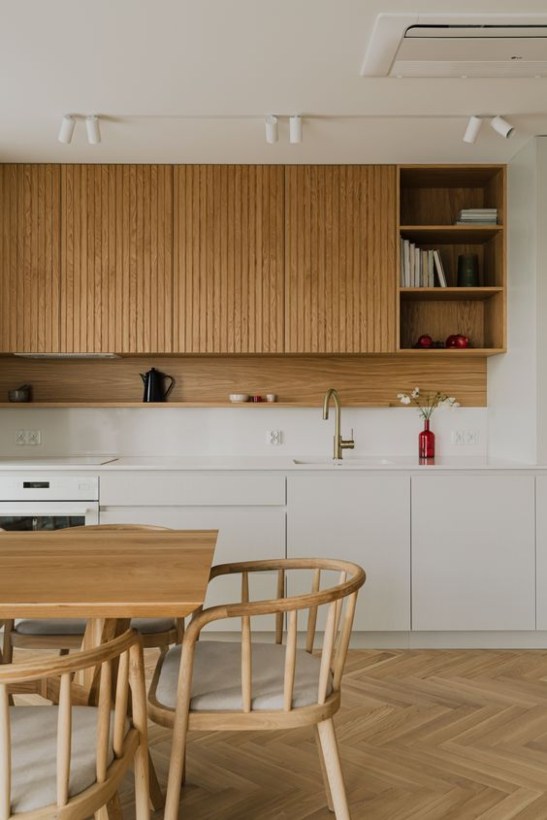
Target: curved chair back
{"x": 68, "y": 760}
{"x": 247, "y": 684}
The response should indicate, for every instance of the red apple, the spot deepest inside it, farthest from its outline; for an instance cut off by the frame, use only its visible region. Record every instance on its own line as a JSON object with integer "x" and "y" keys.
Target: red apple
{"x": 425, "y": 341}
{"x": 457, "y": 340}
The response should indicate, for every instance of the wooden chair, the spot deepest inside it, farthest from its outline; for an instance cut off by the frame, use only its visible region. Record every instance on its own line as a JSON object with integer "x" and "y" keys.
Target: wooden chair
{"x": 64, "y": 634}
{"x": 223, "y": 685}
{"x": 67, "y": 761}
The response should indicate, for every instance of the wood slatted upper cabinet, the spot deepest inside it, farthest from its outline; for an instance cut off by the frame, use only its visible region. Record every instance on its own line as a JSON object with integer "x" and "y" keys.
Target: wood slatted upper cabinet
{"x": 117, "y": 261}
{"x": 228, "y": 285}
{"x": 341, "y": 288}
{"x": 29, "y": 258}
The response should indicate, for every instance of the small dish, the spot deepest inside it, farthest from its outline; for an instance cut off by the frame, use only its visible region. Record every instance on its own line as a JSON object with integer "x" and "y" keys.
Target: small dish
{"x": 235, "y": 398}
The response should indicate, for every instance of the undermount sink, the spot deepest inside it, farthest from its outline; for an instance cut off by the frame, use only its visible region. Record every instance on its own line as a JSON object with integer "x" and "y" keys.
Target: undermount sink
{"x": 364, "y": 461}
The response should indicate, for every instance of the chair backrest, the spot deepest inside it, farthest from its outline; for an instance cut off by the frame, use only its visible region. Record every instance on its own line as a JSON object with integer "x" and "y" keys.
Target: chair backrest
{"x": 293, "y": 614}
{"x": 121, "y": 671}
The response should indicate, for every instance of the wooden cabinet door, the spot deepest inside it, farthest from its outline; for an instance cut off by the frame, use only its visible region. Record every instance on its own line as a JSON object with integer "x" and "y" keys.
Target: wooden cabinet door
{"x": 362, "y": 517}
{"x": 473, "y": 552}
{"x": 29, "y": 258}
{"x": 228, "y": 285}
{"x": 341, "y": 259}
{"x": 116, "y": 271}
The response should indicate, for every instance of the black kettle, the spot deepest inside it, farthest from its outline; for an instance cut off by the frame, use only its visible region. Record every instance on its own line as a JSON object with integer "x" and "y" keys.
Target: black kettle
{"x": 154, "y": 389}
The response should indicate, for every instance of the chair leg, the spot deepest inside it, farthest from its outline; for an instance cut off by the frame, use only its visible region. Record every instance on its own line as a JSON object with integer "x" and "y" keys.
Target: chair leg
{"x": 177, "y": 767}
{"x": 329, "y": 748}
{"x": 156, "y": 795}
{"x": 323, "y": 770}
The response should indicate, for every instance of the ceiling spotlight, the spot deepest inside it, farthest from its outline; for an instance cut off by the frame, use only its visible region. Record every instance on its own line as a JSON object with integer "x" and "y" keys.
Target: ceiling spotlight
{"x": 271, "y": 128}
{"x": 295, "y": 129}
{"x": 502, "y": 127}
{"x": 92, "y": 128}
{"x": 472, "y": 130}
{"x": 66, "y": 130}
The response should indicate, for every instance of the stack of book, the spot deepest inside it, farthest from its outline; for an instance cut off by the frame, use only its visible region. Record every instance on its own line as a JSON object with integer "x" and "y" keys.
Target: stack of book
{"x": 420, "y": 268}
{"x": 478, "y": 216}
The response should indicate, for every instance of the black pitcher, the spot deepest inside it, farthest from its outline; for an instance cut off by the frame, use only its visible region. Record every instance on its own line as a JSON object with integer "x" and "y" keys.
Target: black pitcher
{"x": 154, "y": 389}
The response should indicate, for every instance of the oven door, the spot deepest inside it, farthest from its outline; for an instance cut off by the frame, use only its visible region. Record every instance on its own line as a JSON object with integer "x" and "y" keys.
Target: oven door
{"x": 47, "y": 515}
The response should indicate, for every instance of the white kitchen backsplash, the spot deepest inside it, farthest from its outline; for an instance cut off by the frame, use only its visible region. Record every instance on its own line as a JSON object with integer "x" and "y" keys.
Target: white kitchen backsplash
{"x": 237, "y": 431}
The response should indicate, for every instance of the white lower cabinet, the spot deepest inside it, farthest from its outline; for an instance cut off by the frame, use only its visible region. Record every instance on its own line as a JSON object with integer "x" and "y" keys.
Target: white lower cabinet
{"x": 541, "y": 551}
{"x": 247, "y": 531}
{"x": 361, "y": 517}
{"x": 473, "y": 552}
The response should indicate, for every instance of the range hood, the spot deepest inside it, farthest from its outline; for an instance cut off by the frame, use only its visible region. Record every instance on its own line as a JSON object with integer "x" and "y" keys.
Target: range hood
{"x": 471, "y": 46}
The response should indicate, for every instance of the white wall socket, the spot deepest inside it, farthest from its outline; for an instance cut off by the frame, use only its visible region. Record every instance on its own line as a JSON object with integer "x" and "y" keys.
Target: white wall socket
{"x": 465, "y": 438}
{"x": 28, "y": 438}
{"x": 274, "y": 437}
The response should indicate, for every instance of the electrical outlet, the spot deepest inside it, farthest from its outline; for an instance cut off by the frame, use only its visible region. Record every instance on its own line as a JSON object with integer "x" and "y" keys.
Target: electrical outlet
{"x": 274, "y": 437}
{"x": 465, "y": 438}
{"x": 28, "y": 438}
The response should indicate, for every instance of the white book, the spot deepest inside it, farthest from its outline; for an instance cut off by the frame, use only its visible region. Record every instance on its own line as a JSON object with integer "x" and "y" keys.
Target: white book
{"x": 439, "y": 268}
{"x": 417, "y": 267}
{"x": 411, "y": 262}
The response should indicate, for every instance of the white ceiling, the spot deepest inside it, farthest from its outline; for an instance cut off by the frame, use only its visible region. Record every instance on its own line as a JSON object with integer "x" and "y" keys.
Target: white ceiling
{"x": 191, "y": 80}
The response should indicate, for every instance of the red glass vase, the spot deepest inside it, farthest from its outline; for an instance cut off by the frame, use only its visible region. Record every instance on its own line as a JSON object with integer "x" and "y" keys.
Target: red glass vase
{"x": 426, "y": 443}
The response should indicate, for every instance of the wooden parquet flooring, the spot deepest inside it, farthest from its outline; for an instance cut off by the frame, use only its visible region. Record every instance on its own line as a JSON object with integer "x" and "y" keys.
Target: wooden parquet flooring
{"x": 423, "y": 735}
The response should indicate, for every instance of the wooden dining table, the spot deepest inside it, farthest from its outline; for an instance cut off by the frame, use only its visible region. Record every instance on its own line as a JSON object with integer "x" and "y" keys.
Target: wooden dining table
{"x": 106, "y": 577}
{"x": 114, "y": 574}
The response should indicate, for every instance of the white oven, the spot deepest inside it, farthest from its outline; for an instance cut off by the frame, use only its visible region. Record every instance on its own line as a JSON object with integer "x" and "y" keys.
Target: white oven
{"x": 48, "y": 501}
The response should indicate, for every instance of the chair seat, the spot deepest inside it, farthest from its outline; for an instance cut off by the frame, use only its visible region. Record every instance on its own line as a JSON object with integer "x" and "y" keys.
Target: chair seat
{"x": 34, "y": 754}
{"x": 76, "y": 626}
{"x": 216, "y": 679}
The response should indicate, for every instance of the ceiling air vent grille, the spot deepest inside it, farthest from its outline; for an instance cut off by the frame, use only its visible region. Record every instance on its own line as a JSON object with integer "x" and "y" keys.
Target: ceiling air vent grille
{"x": 401, "y": 47}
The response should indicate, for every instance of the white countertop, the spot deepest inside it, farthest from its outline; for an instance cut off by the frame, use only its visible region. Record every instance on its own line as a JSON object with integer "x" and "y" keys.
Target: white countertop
{"x": 111, "y": 463}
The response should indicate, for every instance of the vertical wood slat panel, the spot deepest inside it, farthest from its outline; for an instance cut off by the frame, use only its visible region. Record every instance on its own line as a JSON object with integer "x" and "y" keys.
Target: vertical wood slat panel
{"x": 340, "y": 259}
{"x": 228, "y": 259}
{"x": 29, "y": 257}
{"x": 116, "y": 269}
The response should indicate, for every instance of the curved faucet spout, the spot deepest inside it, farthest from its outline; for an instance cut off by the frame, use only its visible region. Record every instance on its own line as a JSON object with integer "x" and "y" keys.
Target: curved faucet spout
{"x": 331, "y": 393}
{"x": 340, "y": 444}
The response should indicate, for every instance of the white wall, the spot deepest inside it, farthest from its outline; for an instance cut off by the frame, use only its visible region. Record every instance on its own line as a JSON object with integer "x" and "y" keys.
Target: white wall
{"x": 232, "y": 431}
{"x": 515, "y": 393}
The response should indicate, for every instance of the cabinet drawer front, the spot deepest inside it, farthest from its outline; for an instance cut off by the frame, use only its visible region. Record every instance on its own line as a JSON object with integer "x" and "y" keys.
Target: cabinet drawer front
{"x": 473, "y": 553}
{"x": 171, "y": 487}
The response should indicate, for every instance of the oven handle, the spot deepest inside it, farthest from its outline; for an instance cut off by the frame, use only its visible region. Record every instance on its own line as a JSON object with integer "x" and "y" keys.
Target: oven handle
{"x": 49, "y": 508}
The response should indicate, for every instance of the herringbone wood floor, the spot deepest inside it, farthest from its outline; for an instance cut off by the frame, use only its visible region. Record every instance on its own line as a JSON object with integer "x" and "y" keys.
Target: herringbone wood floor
{"x": 423, "y": 735}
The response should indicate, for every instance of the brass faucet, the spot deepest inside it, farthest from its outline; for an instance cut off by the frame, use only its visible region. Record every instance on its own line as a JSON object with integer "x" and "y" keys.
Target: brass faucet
{"x": 340, "y": 444}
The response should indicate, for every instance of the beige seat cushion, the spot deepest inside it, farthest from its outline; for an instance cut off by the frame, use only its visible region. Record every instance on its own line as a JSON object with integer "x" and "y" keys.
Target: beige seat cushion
{"x": 34, "y": 755}
{"x": 75, "y": 626}
{"x": 216, "y": 682}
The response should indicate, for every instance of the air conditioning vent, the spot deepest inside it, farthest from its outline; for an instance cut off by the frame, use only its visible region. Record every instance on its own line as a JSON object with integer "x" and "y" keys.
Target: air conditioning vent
{"x": 405, "y": 47}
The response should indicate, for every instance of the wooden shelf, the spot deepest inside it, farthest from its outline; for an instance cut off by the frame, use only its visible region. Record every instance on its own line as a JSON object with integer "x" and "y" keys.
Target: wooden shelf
{"x": 189, "y": 404}
{"x": 431, "y": 198}
{"x": 451, "y": 234}
{"x": 464, "y": 352}
{"x": 448, "y": 294}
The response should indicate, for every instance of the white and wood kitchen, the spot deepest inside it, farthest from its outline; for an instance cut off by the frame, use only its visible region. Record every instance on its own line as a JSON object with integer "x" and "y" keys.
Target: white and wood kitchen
{"x": 221, "y": 281}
